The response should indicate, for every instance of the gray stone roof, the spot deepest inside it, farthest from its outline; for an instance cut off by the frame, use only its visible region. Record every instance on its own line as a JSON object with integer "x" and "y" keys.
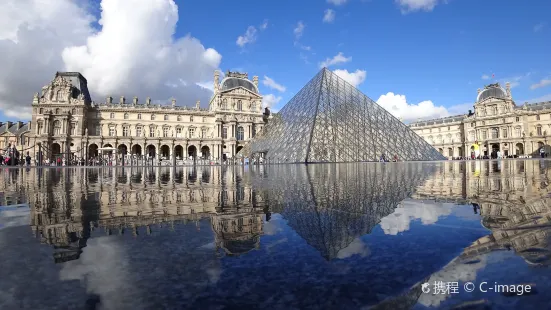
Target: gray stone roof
{"x": 535, "y": 106}
{"x": 12, "y": 128}
{"x": 437, "y": 121}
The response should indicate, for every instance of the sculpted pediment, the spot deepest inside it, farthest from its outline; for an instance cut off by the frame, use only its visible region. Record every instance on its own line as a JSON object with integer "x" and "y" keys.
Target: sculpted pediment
{"x": 240, "y": 91}
{"x": 60, "y": 90}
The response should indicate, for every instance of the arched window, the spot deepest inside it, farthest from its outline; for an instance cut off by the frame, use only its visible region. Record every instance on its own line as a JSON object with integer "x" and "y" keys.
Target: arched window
{"x": 191, "y": 118}
{"x": 58, "y": 95}
{"x": 74, "y": 111}
{"x": 112, "y": 115}
{"x": 40, "y": 110}
{"x": 57, "y": 128}
{"x": 538, "y": 131}
{"x": 166, "y": 117}
{"x": 239, "y": 105}
{"x": 57, "y": 111}
{"x": 125, "y": 115}
{"x": 179, "y": 118}
{"x": 240, "y": 133}
{"x": 139, "y": 115}
{"x": 224, "y": 104}
{"x": 152, "y": 117}
{"x": 495, "y": 133}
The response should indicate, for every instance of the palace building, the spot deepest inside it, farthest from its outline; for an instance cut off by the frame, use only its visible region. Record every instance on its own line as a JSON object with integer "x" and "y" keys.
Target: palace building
{"x": 66, "y": 122}
{"x": 497, "y": 124}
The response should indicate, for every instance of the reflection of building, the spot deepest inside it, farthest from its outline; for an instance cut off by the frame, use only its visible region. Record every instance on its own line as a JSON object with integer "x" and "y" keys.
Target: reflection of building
{"x": 331, "y": 205}
{"x": 71, "y": 205}
{"x": 497, "y": 124}
{"x": 66, "y": 120}
{"x": 509, "y": 195}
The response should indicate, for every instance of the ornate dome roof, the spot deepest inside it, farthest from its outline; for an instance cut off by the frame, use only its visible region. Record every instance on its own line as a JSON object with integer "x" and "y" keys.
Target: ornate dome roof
{"x": 492, "y": 90}
{"x": 232, "y": 81}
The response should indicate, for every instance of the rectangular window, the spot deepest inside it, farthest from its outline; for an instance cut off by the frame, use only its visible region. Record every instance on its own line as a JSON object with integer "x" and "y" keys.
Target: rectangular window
{"x": 192, "y": 132}
{"x": 111, "y": 131}
{"x": 40, "y": 128}
{"x": 484, "y": 135}
{"x": 151, "y": 132}
{"x": 138, "y": 131}
{"x": 538, "y": 131}
{"x": 125, "y": 131}
{"x": 225, "y": 133}
{"x": 518, "y": 119}
{"x": 204, "y": 133}
{"x": 73, "y": 129}
{"x": 98, "y": 130}
{"x": 504, "y": 133}
{"x": 517, "y": 132}
{"x": 179, "y": 132}
{"x": 165, "y": 132}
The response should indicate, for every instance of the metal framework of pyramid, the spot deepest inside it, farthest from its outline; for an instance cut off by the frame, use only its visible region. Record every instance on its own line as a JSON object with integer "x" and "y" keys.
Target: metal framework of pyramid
{"x": 329, "y": 120}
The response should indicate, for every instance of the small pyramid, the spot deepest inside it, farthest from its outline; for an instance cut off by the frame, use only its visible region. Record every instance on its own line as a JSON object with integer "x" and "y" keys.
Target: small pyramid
{"x": 329, "y": 120}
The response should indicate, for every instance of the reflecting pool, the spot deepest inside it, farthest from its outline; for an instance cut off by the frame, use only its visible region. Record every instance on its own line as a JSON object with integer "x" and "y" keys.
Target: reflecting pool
{"x": 327, "y": 236}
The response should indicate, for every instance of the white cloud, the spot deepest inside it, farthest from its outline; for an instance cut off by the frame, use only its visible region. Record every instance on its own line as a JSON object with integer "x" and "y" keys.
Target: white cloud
{"x": 355, "y": 78}
{"x": 337, "y": 59}
{"x": 337, "y": 2}
{"x": 542, "y": 83}
{"x": 356, "y": 247}
{"x": 407, "y": 6}
{"x": 538, "y": 27}
{"x": 543, "y": 98}
{"x": 264, "y": 25}
{"x": 398, "y": 106}
{"x": 122, "y": 58}
{"x": 270, "y": 100}
{"x": 248, "y": 37}
{"x": 299, "y": 30}
{"x": 485, "y": 77}
{"x": 329, "y": 16}
{"x": 410, "y": 210}
{"x": 273, "y": 84}
{"x": 514, "y": 80}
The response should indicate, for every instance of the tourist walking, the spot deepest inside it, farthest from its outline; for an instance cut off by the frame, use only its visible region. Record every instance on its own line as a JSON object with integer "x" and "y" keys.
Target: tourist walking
{"x": 28, "y": 159}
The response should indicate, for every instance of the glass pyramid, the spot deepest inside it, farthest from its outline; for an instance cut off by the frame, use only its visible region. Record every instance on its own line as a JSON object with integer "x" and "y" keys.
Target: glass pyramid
{"x": 329, "y": 120}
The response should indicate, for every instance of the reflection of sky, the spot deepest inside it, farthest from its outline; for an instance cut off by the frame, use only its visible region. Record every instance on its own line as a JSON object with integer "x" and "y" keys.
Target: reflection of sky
{"x": 15, "y": 215}
{"x": 410, "y": 210}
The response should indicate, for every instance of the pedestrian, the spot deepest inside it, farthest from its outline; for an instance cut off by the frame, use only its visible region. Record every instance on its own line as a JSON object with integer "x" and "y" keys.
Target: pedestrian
{"x": 28, "y": 159}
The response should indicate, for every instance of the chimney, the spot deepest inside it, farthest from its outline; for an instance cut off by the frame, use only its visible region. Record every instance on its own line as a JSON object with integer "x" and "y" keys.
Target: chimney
{"x": 135, "y": 101}
{"x": 148, "y": 101}
{"x": 9, "y": 124}
{"x": 216, "y": 80}
{"x": 19, "y": 125}
{"x": 122, "y": 100}
{"x": 255, "y": 80}
{"x": 109, "y": 100}
{"x": 197, "y": 104}
{"x": 173, "y": 102}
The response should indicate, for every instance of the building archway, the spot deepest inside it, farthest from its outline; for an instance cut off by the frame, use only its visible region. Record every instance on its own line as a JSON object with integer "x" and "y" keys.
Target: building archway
{"x": 205, "y": 152}
{"x": 136, "y": 149}
{"x": 494, "y": 149}
{"x": 238, "y": 149}
{"x": 151, "y": 150}
{"x": 450, "y": 152}
{"x": 165, "y": 151}
{"x": 56, "y": 150}
{"x": 519, "y": 149}
{"x": 192, "y": 151}
{"x": 93, "y": 150}
{"x": 123, "y": 150}
{"x": 441, "y": 151}
{"x": 179, "y": 151}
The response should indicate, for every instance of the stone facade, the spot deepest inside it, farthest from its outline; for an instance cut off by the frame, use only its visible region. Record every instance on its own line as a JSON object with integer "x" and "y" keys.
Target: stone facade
{"x": 67, "y": 123}
{"x": 14, "y": 134}
{"x": 497, "y": 124}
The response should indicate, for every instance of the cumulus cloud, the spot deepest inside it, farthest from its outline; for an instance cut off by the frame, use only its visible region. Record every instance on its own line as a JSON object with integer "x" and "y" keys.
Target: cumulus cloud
{"x": 355, "y": 78}
{"x": 121, "y": 58}
{"x": 337, "y": 2}
{"x": 270, "y": 100}
{"x": 248, "y": 37}
{"x": 542, "y": 83}
{"x": 407, "y": 6}
{"x": 410, "y": 210}
{"x": 299, "y": 30}
{"x": 398, "y": 106}
{"x": 329, "y": 16}
{"x": 356, "y": 247}
{"x": 335, "y": 60}
{"x": 273, "y": 84}
{"x": 264, "y": 25}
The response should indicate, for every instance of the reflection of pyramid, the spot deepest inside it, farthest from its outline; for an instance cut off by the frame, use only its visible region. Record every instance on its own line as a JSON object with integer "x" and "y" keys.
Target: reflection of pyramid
{"x": 329, "y": 120}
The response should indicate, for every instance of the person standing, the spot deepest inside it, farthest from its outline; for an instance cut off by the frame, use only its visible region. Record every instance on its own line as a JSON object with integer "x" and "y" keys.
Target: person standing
{"x": 28, "y": 159}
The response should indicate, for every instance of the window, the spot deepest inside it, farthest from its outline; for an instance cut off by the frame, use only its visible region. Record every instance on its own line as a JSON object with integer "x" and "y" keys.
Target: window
{"x": 483, "y": 123}
{"x": 57, "y": 128}
{"x": 179, "y": 118}
{"x": 538, "y": 130}
{"x": 239, "y": 105}
{"x": 74, "y": 111}
{"x": 517, "y": 119}
{"x": 253, "y": 130}
{"x": 484, "y": 135}
{"x": 57, "y": 111}
{"x": 253, "y": 106}
{"x": 166, "y": 117}
{"x": 125, "y": 115}
{"x": 73, "y": 129}
{"x": 151, "y": 132}
{"x": 191, "y": 118}
{"x": 40, "y": 128}
{"x": 58, "y": 95}
{"x": 125, "y": 131}
{"x": 152, "y": 117}
{"x": 225, "y": 133}
{"x": 471, "y": 136}
{"x": 495, "y": 133}
{"x": 179, "y": 132}
{"x": 98, "y": 130}
{"x": 139, "y": 115}
{"x": 165, "y": 131}
{"x": 204, "y": 119}
{"x": 517, "y": 132}
{"x": 98, "y": 114}
{"x": 111, "y": 131}
{"x": 138, "y": 131}
{"x": 495, "y": 110}
{"x": 191, "y": 132}
{"x": 504, "y": 133}
{"x": 112, "y": 115}
{"x": 224, "y": 104}
{"x": 537, "y": 117}
{"x": 472, "y": 125}
{"x": 204, "y": 132}
{"x": 449, "y": 128}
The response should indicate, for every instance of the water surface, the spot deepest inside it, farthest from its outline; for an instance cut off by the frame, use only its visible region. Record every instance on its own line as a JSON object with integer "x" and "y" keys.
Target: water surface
{"x": 346, "y": 236}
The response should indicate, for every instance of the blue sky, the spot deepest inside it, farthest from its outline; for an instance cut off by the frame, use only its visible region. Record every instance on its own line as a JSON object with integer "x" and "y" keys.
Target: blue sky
{"x": 425, "y": 57}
